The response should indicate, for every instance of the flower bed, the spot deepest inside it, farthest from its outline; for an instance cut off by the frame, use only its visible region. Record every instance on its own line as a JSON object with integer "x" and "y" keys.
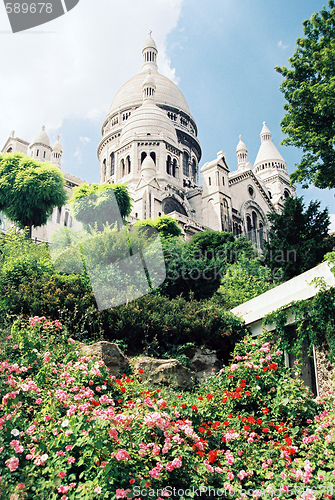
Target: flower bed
{"x": 70, "y": 430}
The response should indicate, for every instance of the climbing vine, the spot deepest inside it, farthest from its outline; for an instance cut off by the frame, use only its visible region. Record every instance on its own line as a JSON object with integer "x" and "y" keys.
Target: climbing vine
{"x": 314, "y": 320}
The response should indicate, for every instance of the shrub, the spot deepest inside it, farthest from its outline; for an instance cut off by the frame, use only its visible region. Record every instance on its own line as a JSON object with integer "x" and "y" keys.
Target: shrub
{"x": 71, "y": 430}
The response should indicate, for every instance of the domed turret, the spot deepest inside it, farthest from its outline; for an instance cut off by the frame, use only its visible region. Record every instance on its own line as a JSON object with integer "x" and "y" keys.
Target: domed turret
{"x": 40, "y": 147}
{"x": 57, "y": 153}
{"x": 149, "y": 52}
{"x": 242, "y": 156}
{"x": 148, "y": 169}
{"x": 268, "y": 157}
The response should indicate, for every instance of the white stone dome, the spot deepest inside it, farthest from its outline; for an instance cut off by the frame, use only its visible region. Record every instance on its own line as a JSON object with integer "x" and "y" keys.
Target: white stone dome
{"x": 241, "y": 146}
{"x": 149, "y": 122}
{"x": 57, "y": 147}
{"x": 149, "y": 43}
{"x": 42, "y": 138}
{"x": 130, "y": 94}
{"x": 267, "y": 151}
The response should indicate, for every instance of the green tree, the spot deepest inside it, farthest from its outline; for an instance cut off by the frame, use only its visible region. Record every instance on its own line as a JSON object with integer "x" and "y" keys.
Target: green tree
{"x": 165, "y": 225}
{"x": 95, "y": 204}
{"x": 309, "y": 89}
{"x": 298, "y": 238}
{"x": 29, "y": 189}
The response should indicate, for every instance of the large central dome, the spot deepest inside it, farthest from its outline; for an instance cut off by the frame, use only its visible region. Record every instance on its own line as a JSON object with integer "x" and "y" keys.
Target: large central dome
{"x": 167, "y": 94}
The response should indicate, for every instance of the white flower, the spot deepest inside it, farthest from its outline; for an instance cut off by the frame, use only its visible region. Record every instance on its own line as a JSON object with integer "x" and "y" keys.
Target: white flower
{"x": 103, "y": 387}
{"x": 15, "y": 432}
{"x": 65, "y": 423}
{"x": 35, "y": 350}
{"x": 44, "y": 457}
{"x": 258, "y": 387}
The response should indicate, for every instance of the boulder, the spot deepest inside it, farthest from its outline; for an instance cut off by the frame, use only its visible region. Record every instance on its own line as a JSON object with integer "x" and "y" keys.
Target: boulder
{"x": 110, "y": 354}
{"x": 165, "y": 371}
{"x": 204, "y": 362}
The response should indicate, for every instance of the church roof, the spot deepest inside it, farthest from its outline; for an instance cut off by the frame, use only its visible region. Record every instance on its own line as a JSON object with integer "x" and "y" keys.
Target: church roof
{"x": 148, "y": 120}
{"x": 167, "y": 94}
{"x": 267, "y": 151}
{"x": 42, "y": 138}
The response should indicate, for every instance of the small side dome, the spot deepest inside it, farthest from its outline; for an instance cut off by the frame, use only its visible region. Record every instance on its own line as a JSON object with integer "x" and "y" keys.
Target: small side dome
{"x": 241, "y": 146}
{"x": 57, "y": 147}
{"x": 42, "y": 138}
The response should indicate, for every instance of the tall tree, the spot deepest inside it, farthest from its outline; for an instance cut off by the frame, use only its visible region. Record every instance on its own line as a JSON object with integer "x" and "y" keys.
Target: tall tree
{"x": 309, "y": 89}
{"x": 298, "y": 238}
{"x": 29, "y": 189}
{"x": 98, "y": 204}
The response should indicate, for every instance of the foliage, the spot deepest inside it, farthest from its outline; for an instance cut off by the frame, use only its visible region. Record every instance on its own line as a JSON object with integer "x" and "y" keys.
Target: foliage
{"x": 165, "y": 225}
{"x": 244, "y": 280}
{"x": 29, "y": 189}
{"x": 309, "y": 89}
{"x": 298, "y": 238}
{"x": 72, "y": 431}
{"x": 98, "y": 204}
{"x": 221, "y": 244}
{"x": 157, "y": 325}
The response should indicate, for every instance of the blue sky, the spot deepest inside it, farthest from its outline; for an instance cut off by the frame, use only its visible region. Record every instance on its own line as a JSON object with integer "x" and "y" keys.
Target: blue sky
{"x": 221, "y": 53}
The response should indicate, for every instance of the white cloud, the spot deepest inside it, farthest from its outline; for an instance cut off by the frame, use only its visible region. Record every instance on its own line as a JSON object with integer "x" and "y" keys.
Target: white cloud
{"x": 282, "y": 46}
{"x": 85, "y": 140}
{"x": 332, "y": 223}
{"x": 79, "y": 155}
{"x": 73, "y": 66}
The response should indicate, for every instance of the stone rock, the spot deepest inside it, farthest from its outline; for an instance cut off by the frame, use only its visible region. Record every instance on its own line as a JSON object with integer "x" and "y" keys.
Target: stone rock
{"x": 204, "y": 362}
{"x": 110, "y": 354}
{"x": 165, "y": 371}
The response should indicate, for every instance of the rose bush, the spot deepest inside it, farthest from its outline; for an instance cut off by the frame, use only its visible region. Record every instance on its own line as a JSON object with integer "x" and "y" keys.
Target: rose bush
{"x": 70, "y": 430}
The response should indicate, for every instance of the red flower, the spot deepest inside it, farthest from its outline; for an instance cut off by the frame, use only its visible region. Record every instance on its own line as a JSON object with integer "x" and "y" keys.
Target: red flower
{"x": 212, "y": 456}
{"x": 140, "y": 370}
{"x": 251, "y": 420}
{"x": 258, "y": 421}
{"x": 257, "y": 377}
{"x": 209, "y": 433}
{"x": 183, "y": 405}
{"x": 246, "y": 427}
{"x": 265, "y": 411}
{"x": 225, "y": 422}
{"x": 200, "y": 398}
{"x": 265, "y": 368}
{"x": 123, "y": 389}
{"x": 247, "y": 393}
{"x": 95, "y": 403}
{"x": 288, "y": 441}
{"x": 265, "y": 429}
{"x": 201, "y": 429}
{"x": 179, "y": 396}
{"x": 244, "y": 419}
{"x": 230, "y": 376}
{"x": 194, "y": 408}
{"x": 209, "y": 396}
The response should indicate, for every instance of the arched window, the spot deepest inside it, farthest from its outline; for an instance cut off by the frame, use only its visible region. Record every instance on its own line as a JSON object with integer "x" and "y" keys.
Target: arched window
{"x": 174, "y": 168}
{"x": 112, "y": 157}
{"x": 249, "y": 227}
{"x": 128, "y": 164}
{"x": 122, "y": 168}
{"x": 153, "y": 156}
{"x": 254, "y": 220}
{"x": 185, "y": 164}
{"x": 287, "y": 194}
{"x": 168, "y": 164}
{"x": 37, "y": 152}
{"x": 143, "y": 156}
{"x": 194, "y": 170}
{"x": 104, "y": 170}
{"x": 209, "y": 181}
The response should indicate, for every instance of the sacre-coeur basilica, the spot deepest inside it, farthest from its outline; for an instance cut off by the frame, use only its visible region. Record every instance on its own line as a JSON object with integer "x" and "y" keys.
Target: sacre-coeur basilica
{"x": 149, "y": 141}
